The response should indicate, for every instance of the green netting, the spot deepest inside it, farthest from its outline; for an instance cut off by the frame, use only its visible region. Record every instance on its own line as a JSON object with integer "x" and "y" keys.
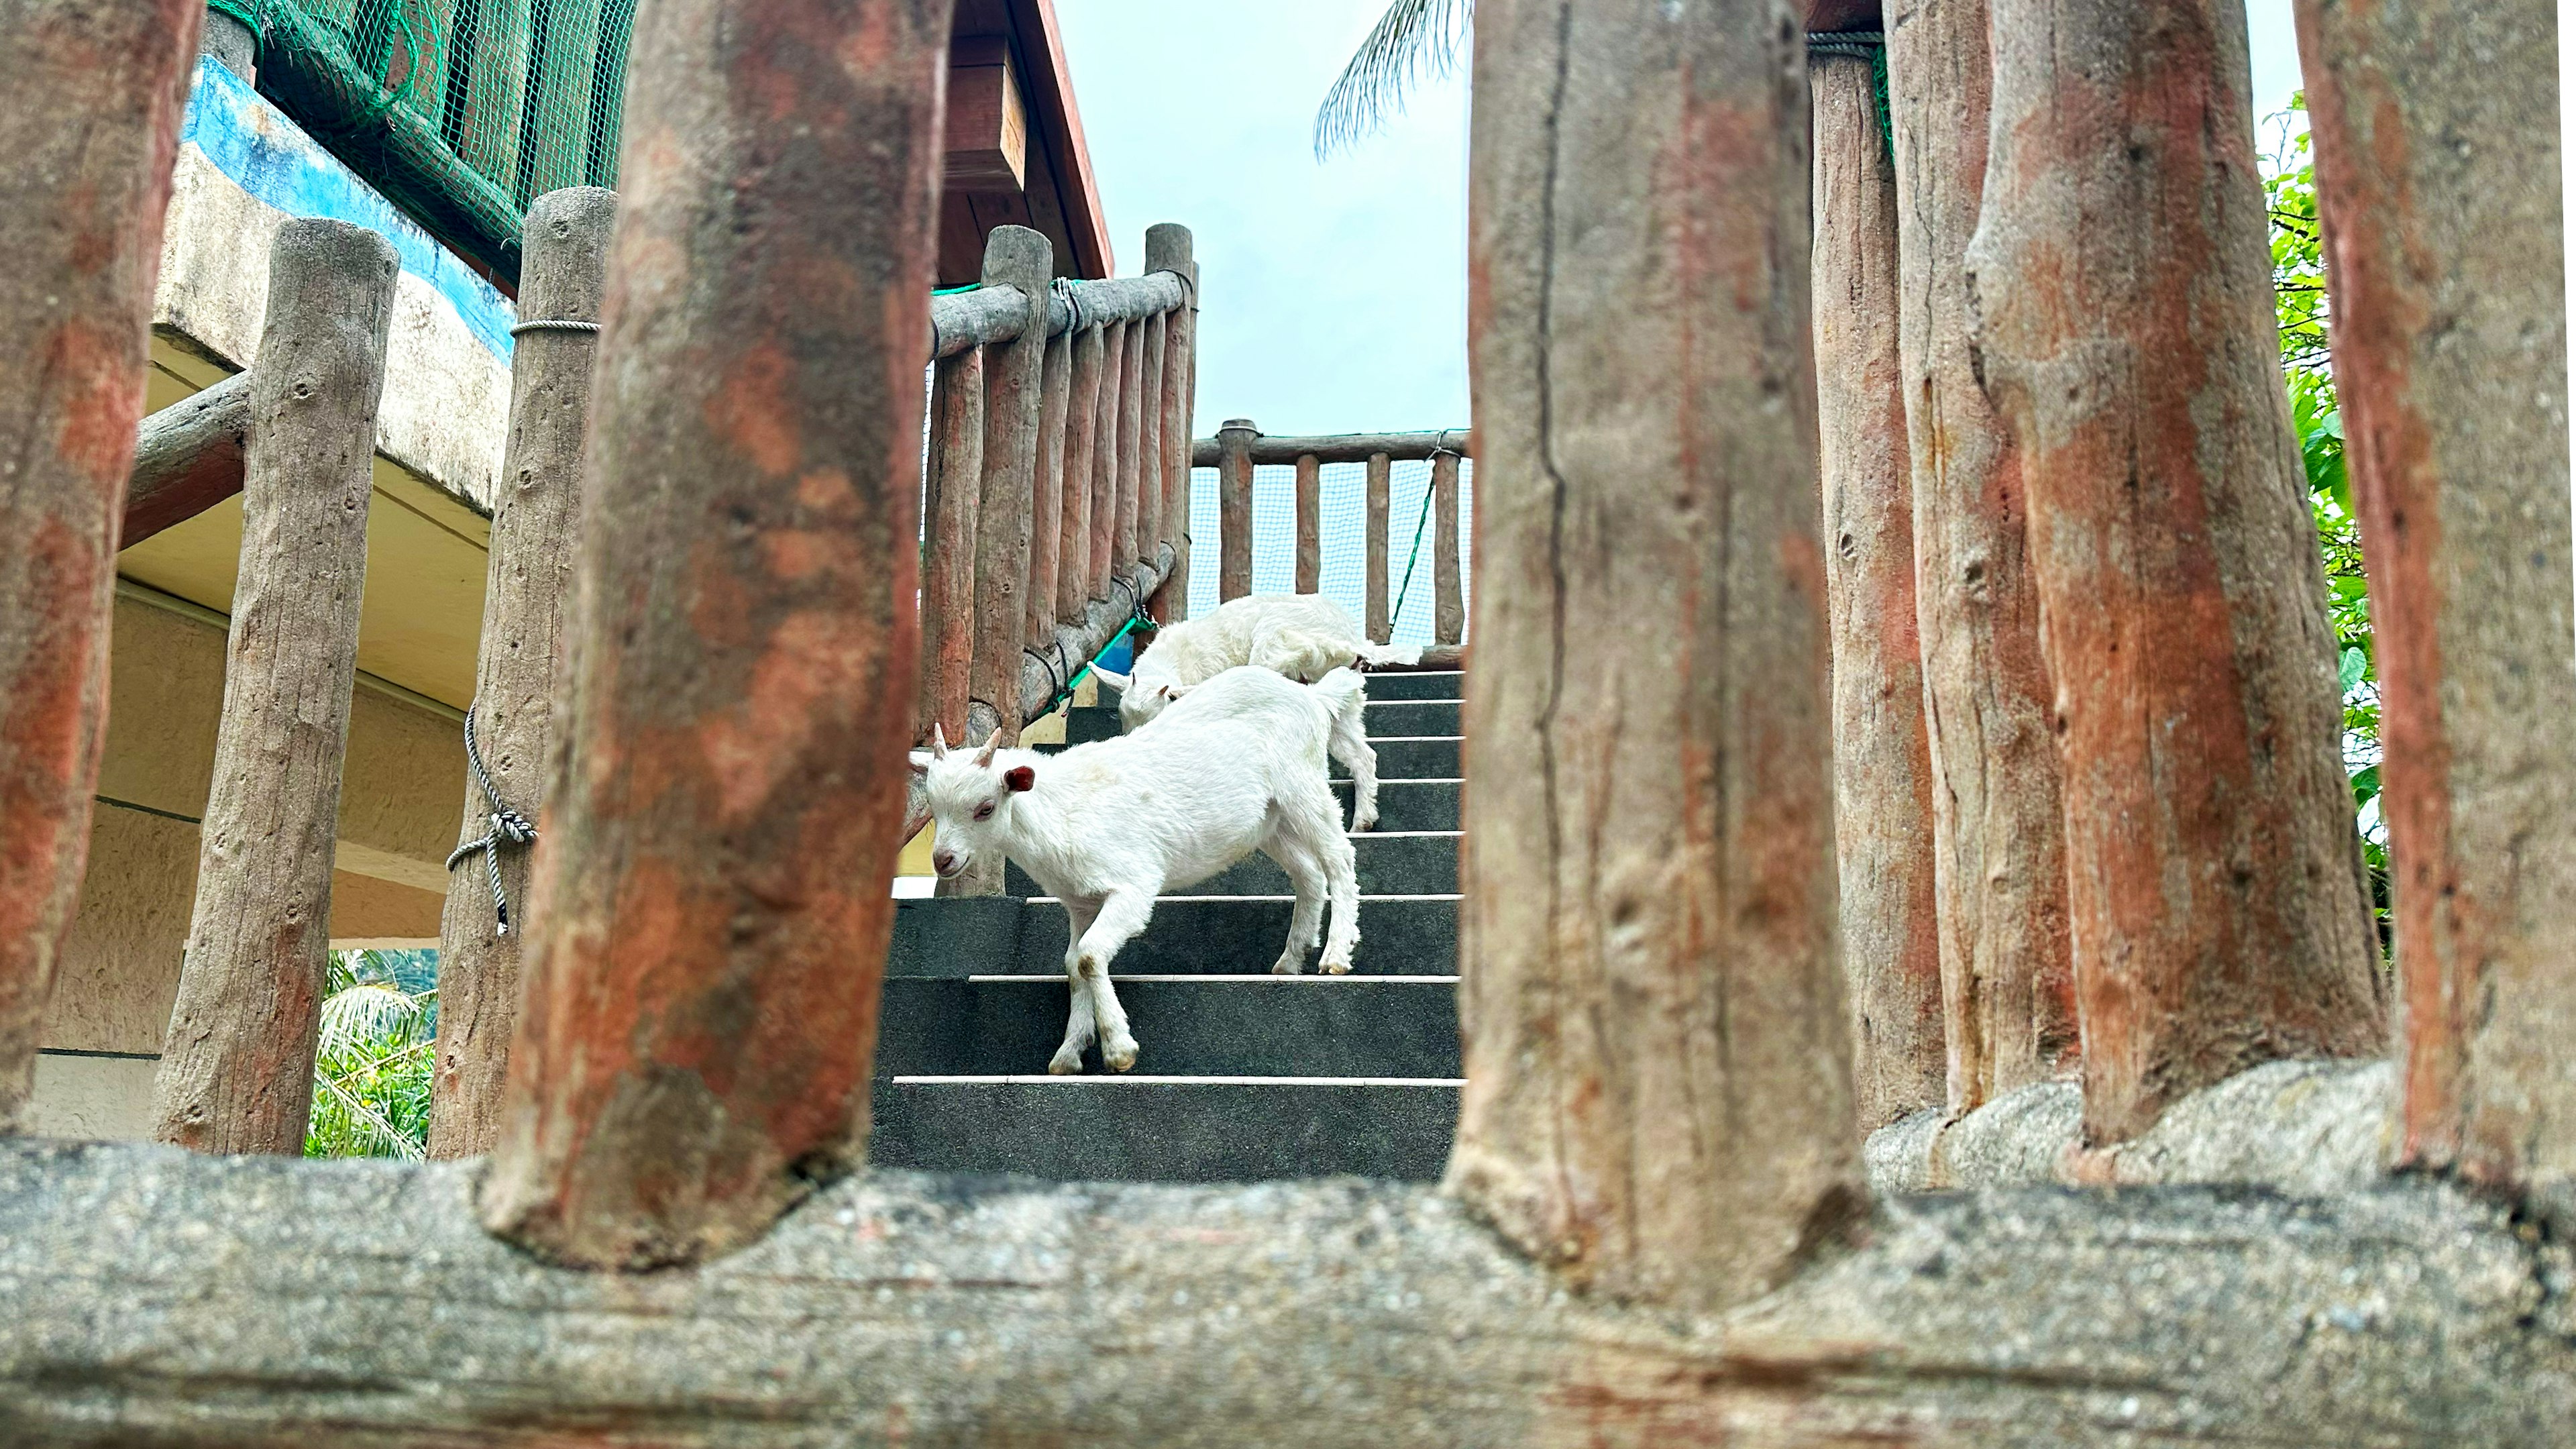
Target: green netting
{"x": 463, "y": 111}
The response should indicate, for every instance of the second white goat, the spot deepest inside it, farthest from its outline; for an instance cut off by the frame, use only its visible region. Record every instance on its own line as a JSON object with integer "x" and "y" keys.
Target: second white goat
{"x": 1235, "y": 767}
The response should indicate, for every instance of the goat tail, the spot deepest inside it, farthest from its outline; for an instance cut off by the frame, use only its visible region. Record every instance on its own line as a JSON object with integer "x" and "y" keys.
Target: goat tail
{"x": 1379, "y": 656}
{"x": 1343, "y": 693}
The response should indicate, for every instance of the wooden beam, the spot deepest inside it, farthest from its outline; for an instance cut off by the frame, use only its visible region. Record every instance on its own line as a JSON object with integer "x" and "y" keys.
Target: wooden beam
{"x": 1310, "y": 524}
{"x": 1381, "y": 482}
{"x": 536, "y": 528}
{"x": 1345, "y": 447}
{"x": 988, "y": 122}
{"x": 2214, "y": 875}
{"x": 1883, "y": 795}
{"x": 1448, "y": 585}
{"x": 1234, "y": 510}
{"x": 187, "y": 459}
{"x": 1081, "y": 484}
{"x": 87, "y": 138}
{"x": 236, "y": 1070}
{"x": 1658, "y": 1096}
{"x": 948, "y": 544}
{"x": 2437, "y": 174}
{"x": 700, "y": 1011}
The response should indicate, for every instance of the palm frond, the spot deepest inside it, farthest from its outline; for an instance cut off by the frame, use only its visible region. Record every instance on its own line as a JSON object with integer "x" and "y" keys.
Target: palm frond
{"x": 346, "y": 1126}
{"x": 1414, "y": 39}
{"x": 373, "y": 1013}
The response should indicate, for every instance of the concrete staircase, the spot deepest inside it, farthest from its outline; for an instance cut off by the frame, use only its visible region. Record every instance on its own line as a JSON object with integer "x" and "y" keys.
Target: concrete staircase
{"x": 1244, "y": 1075}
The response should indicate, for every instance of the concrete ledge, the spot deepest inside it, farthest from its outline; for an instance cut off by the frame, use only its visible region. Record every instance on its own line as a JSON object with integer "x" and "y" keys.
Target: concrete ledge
{"x": 2302, "y": 1127}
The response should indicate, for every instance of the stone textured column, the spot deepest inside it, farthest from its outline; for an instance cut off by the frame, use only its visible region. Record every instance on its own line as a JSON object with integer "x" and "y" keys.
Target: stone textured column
{"x": 1658, "y": 1097}
{"x": 2123, "y": 279}
{"x": 1882, "y": 764}
{"x": 2438, "y": 181}
{"x": 87, "y": 135}
{"x": 711, "y": 898}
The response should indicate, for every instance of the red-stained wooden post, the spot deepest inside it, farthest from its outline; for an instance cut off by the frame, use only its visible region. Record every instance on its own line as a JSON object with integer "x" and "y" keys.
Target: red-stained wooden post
{"x": 1131, "y": 443}
{"x": 1048, "y": 503}
{"x": 1234, "y": 508}
{"x": 87, "y": 135}
{"x": 1016, "y": 257}
{"x": 1658, "y": 1097}
{"x": 1998, "y": 827}
{"x": 2123, "y": 278}
{"x": 1073, "y": 585}
{"x": 711, "y": 903}
{"x": 954, "y": 505}
{"x": 1151, "y": 457}
{"x": 1106, "y": 464}
{"x": 1882, "y": 764}
{"x": 1310, "y": 524}
{"x": 1169, "y": 248}
{"x": 1380, "y": 504}
{"x": 2437, "y": 173}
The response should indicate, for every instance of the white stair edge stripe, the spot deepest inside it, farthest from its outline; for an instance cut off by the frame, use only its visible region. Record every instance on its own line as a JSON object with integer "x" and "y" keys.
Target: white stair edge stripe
{"x": 1364, "y": 900}
{"x": 1041, "y": 1079}
{"x": 1311, "y": 978}
{"x": 1414, "y": 739}
{"x": 1395, "y": 835}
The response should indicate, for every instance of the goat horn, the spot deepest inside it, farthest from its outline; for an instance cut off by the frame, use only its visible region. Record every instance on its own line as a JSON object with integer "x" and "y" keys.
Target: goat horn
{"x": 991, "y": 747}
{"x": 938, "y": 743}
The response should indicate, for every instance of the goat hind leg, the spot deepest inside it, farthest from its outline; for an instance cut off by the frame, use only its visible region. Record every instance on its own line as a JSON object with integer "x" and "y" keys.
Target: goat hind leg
{"x": 1317, "y": 821}
{"x": 1122, "y": 915}
{"x": 1080, "y": 1017}
{"x": 1306, "y": 922}
{"x": 1350, "y": 745}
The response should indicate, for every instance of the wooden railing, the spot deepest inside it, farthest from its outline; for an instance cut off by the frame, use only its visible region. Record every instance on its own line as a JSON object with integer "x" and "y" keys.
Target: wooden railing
{"x": 1239, "y": 447}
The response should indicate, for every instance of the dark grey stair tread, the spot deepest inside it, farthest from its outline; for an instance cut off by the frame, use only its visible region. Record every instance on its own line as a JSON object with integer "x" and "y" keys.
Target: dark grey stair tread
{"x": 1267, "y": 1026}
{"x": 1410, "y": 759}
{"x": 1448, "y": 684}
{"x": 1389, "y": 864}
{"x": 1005, "y": 935}
{"x": 1411, "y": 718}
{"x": 1131, "y": 1129}
{"x": 1408, "y": 805}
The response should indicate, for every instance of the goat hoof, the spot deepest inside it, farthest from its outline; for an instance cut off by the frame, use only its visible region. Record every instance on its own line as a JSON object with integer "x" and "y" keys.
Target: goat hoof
{"x": 1063, "y": 1065}
{"x": 1368, "y": 824}
{"x": 1337, "y": 968}
{"x": 1120, "y": 1057}
{"x": 1288, "y": 966}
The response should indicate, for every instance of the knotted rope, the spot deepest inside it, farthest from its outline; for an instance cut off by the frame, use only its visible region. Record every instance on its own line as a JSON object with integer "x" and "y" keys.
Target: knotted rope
{"x": 509, "y": 827}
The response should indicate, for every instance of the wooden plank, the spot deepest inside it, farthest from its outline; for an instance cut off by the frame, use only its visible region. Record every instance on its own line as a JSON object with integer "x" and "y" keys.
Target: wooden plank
{"x": 2008, "y": 975}
{"x": 1448, "y": 585}
{"x": 187, "y": 459}
{"x": 1658, "y": 1098}
{"x": 236, "y": 1070}
{"x": 536, "y": 527}
{"x": 1170, "y": 249}
{"x": 1883, "y": 794}
{"x": 487, "y": 87}
{"x": 1048, "y": 503}
{"x": 1105, "y": 463}
{"x": 2215, "y": 890}
{"x": 1381, "y": 475}
{"x": 2436, "y": 165}
{"x": 948, "y": 544}
{"x": 700, "y": 1012}
{"x": 1081, "y": 481}
{"x": 1131, "y": 443}
{"x": 87, "y": 139}
{"x": 1310, "y": 524}
{"x": 1234, "y": 511}
{"x": 988, "y": 123}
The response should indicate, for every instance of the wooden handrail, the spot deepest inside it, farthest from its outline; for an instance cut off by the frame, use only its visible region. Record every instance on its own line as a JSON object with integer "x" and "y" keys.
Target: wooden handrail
{"x": 1269, "y": 452}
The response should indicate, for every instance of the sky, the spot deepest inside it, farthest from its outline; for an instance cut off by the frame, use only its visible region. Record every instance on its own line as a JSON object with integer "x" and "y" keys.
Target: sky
{"x": 1333, "y": 294}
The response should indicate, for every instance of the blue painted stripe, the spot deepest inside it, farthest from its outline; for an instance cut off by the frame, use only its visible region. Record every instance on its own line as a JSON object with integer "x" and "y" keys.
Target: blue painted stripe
{"x": 269, "y": 156}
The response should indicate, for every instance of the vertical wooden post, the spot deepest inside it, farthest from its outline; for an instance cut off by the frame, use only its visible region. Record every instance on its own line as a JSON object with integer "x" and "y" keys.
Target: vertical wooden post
{"x": 1234, "y": 508}
{"x": 1151, "y": 458}
{"x": 1014, "y": 256}
{"x": 236, "y": 1069}
{"x": 1073, "y": 584}
{"x": 1883, "y": 810}
{"x": 527, "y": 584}
{"x": 87, "y": 137}
{"x": 1310, "y": 525}
{"x": 712, "y": 912}
{"x": 1381, "y": 476}
{"x": 1105, "y": 462}
{"x": 948, "y": 544}
{"x": 1658, "y": 1093}
{"x": 1998, "y": 829}
{"x": 1131, "y": 442}
{"x": 1448, "y": 586}
{"x": 1048, "y": 504}
{"x": 1170, "y": 248}
{"x": 2437, "y": 166}
{"x": 2214, "y": 877}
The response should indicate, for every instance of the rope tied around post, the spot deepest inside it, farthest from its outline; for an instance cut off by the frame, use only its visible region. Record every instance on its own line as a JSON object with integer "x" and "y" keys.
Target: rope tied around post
{"x": 555, "y": 324}
{"x": 508, "y": 827}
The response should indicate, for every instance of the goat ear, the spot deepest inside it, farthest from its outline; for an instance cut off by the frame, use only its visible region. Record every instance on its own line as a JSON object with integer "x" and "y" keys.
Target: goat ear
{"x": 992, "y": 747}
{"x": 919, "y": 765}
{"x": 1171, "y": 693}
{"x": 1117, "y": 682}
{"x": 1020, "y": 778}
{"x": 938, "y": 742}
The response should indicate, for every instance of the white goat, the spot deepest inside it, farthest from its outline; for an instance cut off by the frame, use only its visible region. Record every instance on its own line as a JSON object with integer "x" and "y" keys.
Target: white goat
{"x": 1236, "y": 767}
{"x": 1302, "y": 636}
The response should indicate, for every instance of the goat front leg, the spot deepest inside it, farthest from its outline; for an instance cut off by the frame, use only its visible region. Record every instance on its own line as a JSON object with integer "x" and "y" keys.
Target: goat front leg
{"x": 1078, "y": 1021}
{"x": 1122, "y": 915}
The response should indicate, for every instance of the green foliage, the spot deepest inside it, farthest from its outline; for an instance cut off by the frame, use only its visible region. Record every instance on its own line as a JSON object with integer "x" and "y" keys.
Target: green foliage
{"x": 2299, "y": 281}
{"x": 371, "y": 1079}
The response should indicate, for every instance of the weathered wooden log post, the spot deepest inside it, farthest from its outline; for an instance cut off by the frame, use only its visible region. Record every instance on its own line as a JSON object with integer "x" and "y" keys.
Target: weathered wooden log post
{"x": 1234, "y": 508}
{"x": 1381, "y": 488}
{"x": 1999, "y": 832}
{"x": 1448, "y": 582}
{"x": 2215, "y": 882}
{"x": 536, "y": 526}
{"x": 187, "y": 458}
{"x": 1131, "y": 442}
{"x": 1169, "y": 247}
{"x": 1073, "y": 584}
{"x": 1048, "y": 503}
{"x": 2437, "y": 172}
{"x": 87, "y": 136}
{"x": 1882, "y": 762}
{"x": 1310, "y": 524}
{"x": 1151, "y": 458}
{"x": 1105, "y": 462}
{"x": 711, "y": 914}
{"x": 954, "y": 504}
{"x": 1658, "y": 1092}
{"x": 236, "y": 1070}
{"x": 1016, "y": 257}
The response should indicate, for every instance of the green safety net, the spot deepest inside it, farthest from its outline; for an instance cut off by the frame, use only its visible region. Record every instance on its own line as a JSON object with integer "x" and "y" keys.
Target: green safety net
{"x": 462, "y": 111}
